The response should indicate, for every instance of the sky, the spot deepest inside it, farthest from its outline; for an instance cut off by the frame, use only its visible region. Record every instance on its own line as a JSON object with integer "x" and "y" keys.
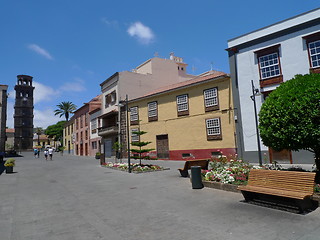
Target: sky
{"x": 69, "y": 47}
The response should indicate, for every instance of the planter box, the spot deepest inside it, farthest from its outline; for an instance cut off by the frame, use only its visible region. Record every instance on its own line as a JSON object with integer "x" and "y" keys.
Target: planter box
{"x": 9, "y": 170}
{"x": 221, "y": 186}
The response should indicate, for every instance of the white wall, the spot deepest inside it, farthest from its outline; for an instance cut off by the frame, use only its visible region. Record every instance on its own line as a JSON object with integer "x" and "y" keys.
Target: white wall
{"x": 293, "y": 59}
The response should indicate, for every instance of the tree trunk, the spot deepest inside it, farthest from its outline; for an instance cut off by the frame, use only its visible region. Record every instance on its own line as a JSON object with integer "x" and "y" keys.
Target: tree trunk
{"x": 317, "y": 161}
{"x": 317, "y": 158}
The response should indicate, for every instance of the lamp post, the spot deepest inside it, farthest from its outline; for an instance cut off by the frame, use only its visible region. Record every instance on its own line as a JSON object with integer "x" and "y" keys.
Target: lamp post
{"x": 38, "y": 133}
{"x": 255, "y": 92}
{"x": 128, "y": 133}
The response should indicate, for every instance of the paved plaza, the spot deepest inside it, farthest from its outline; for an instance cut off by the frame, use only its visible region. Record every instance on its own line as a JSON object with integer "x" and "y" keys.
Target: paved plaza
{"x": 73, "y": 198}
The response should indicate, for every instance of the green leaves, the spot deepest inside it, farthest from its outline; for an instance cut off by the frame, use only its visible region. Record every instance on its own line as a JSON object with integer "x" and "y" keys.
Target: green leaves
{"x": 65, "y": 108}
{"x": 290, "y": 116}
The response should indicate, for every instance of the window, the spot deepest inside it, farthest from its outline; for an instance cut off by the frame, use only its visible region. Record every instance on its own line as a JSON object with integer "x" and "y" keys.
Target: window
{"x": 94, "y": 145}
{"x": 134, "y": 116}
{"x": 113, "y": 97}
{"x": 213, "y": 129}
{"x": 313, "y": 44}
{"x": 134, "y": 137}
{"x": 152, "y": 111}
{"x": 269, "y": 66}
{"x": 211, "y": 99}
{"x": 94, "y": 125}
{"x": 182, "y": 105}
{"x": 107, "y": 100}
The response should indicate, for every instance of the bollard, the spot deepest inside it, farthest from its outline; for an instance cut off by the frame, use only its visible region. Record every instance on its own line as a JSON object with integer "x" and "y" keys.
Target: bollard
{"x": 196, "y": 177}
{"x": 102, "y": 159}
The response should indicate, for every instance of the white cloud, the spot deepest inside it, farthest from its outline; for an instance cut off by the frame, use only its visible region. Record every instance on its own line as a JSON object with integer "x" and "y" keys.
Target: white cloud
{"x": 45, "y": 118}
{"x": 143, "y": 33}
{"x": 112, "y": 23}
{"x": 10, "y": 109}
{"x": 76, "y": 86}
{"x": 44, "y": 93}
{"x": 40, "y": 51}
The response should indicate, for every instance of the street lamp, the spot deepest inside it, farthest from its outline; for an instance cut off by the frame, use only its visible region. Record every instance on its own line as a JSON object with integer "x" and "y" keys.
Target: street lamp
{"x": 255, "y": 92}
{"x": 125, "y": 102}
{"x": 39, "y": 133}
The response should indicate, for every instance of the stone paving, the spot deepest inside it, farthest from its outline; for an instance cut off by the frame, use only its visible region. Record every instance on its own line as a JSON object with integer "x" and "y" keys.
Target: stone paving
{"x": 74, "y": 198}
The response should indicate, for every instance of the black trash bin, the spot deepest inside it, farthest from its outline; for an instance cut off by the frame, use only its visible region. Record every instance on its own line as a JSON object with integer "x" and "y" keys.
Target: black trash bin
{"x": 196, "y": 177}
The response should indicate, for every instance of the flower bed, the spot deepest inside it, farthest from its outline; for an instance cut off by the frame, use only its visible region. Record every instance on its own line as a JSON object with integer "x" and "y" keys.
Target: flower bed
{"x": 135, "y": 168}
{"x": 227, "y": 174}
{"x": 230, "y": 171}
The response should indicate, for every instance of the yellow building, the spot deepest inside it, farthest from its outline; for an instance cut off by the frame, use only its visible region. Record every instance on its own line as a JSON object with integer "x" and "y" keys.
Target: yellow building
{"x": 68, "y": 136}
{"x": 192, "y": 119}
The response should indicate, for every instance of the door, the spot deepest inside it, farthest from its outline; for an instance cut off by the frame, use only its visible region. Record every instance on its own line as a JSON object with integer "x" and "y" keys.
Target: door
{"x": 162, "y": 147}
{"x": 108, "y": 148}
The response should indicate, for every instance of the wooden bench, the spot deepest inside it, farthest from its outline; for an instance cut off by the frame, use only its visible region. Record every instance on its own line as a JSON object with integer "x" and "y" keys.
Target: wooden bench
{"x": 290, "y": 189}
{"x": 203, "y": 163}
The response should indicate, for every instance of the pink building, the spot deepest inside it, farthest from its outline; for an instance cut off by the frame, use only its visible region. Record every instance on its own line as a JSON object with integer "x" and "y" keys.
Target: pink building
{"x": 82, "y": 143}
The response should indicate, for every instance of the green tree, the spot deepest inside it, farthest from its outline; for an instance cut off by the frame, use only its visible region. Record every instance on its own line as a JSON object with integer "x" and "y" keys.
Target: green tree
{"x": 56, "y": 130}
{"x": 140, "y": 145}
{"x": 290, "y": 116}
{"x": 64, "y": 109}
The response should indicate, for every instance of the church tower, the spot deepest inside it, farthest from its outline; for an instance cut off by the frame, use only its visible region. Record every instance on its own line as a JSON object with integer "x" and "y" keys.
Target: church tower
{"x": 23, "y": 113}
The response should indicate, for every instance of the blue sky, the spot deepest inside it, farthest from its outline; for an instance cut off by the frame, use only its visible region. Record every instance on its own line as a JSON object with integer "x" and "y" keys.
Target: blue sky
{"x": 71, "y": 46}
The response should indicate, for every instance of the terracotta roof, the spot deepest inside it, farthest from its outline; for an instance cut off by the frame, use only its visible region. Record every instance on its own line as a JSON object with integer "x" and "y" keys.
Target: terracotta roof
{"x": 201, "y": 78}
{"x": 9, "y": 130}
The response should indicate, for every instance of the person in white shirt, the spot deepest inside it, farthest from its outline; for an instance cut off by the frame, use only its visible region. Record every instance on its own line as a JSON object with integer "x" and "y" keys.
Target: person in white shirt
{"x": 46, "y": 154}
{"x": 50, "y": 151}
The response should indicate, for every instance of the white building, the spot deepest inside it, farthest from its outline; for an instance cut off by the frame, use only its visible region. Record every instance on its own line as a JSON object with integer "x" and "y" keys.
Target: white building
{"x": 270, "y": 56}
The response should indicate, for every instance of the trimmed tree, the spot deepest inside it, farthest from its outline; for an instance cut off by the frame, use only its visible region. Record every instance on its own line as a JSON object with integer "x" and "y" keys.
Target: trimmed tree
{"x": 140, "y": 145}
{"x": 290, "y": 116}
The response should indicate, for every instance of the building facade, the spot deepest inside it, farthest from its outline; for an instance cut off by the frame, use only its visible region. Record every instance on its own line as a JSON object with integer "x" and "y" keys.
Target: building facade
{"x": 23, "y": 113}
{"x": 3, "y": 118}
{"x": 150, "y": 75}
{"x": 95, "y": 139}
{"x": 9, "y": 139}
{"x": 270, "y": 56}
{"x": 69, "y": 136}
{"x": 190, "y": 120}
{"x": 81, "y": 117}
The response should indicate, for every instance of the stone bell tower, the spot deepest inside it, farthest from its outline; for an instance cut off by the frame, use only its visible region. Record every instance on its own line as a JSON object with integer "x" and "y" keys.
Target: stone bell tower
{"x": 23, "y": 113}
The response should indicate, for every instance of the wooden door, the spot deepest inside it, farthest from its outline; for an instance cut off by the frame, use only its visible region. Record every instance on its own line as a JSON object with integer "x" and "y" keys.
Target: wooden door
{"x": 162, "y": 147}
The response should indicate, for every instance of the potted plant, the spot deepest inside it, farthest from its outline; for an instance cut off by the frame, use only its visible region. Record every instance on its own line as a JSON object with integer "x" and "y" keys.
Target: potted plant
{"x": 98, "y": 154}
{"x": 9, "y": 164}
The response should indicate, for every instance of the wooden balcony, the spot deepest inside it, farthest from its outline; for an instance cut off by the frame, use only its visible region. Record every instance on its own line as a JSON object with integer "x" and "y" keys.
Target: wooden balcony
{"x": 107, "y": 131}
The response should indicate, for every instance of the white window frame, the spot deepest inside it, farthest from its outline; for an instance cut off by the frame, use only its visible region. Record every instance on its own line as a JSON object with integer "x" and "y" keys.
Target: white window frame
{"x": 134, "y": 137}
{"x": 182, "y": 103}
{"x": 211, "y": 97}
{"x": 314, "y": 50}
{"x": 94, "y": 124}
{"x": 134, "y": 114}
{"x": 269, "y": 64}
{"x": 213, "y": 126}
{"x": 152, "y": 109}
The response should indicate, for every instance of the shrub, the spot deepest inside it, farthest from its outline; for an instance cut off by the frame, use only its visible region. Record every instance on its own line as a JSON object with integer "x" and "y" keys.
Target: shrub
{"x": 10, "y": 162}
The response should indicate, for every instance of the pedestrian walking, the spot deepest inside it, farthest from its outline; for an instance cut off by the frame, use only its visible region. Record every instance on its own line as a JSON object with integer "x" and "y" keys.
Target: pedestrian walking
{"x": 50, "y": 151}
{"x": 46, "y": 154}
{"x": 35, "y": 151}
{"x": 38, "y": 153}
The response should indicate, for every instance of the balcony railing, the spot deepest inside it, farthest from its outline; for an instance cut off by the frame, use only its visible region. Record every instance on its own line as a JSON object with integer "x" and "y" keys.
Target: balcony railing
{"x": 105, "y": 131}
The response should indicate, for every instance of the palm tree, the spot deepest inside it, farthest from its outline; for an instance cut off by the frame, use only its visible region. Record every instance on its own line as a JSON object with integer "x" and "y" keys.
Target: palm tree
{"x": 65, "y": 108}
